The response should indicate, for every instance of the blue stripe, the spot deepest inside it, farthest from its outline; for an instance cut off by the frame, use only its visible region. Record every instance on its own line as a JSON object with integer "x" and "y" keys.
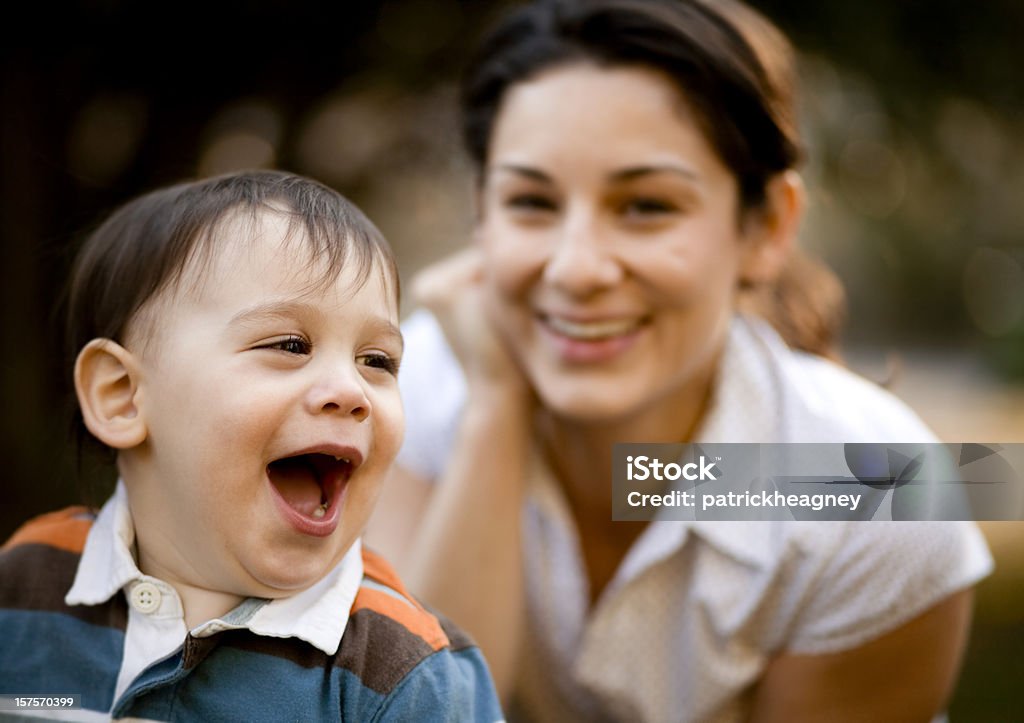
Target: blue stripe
{"x": 51, "y": 653}
{"x": 233, "y": 684}
{"x": 444, "y": 688}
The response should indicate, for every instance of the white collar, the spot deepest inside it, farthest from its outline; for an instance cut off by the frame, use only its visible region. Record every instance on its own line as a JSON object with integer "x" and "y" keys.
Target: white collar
{"x": 746, "y": 402}
{"x": 745, "y": 407}
{"x": 317, "y": 615}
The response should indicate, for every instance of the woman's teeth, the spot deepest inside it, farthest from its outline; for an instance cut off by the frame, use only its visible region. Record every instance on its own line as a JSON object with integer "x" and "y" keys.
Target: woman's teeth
{"x": 592, "y": 329}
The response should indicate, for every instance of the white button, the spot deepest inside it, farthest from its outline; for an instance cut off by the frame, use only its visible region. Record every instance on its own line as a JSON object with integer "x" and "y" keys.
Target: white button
{"x": 145, "y": 597}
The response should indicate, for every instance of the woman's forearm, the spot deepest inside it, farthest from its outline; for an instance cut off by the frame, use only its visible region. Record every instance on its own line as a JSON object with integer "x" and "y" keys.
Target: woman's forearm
{"x": 467, "y": 559}
{"x": 908, "y": 674}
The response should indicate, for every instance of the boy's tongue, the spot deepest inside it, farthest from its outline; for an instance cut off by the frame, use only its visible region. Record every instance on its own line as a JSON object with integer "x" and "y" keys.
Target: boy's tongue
{"x": 296, "y": 481}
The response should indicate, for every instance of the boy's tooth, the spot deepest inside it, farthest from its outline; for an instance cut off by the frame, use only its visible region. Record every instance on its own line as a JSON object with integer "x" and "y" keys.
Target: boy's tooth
{"x": 320, "y": 511}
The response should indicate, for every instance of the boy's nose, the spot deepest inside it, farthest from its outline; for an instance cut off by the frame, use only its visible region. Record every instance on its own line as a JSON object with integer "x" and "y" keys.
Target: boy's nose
{"x": 340, "y": 393}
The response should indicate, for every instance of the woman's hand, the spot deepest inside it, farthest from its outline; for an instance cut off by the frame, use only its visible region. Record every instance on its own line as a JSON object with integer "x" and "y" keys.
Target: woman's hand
{"x": 453, "y": 290}
{"x": 465, "y": 556}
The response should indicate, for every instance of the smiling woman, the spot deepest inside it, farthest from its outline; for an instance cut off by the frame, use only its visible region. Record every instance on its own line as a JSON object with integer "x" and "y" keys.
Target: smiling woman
{"x": 638, "y": 196}
{"x": 632, "y": 199}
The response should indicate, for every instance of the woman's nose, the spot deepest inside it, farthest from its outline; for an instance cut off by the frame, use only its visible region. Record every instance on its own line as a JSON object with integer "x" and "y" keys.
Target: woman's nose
{"x": 581, "y": 263}
{"x": 339, "y": 391}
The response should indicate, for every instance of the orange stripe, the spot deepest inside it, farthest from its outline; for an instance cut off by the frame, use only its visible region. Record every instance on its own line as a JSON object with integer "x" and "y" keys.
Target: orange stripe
{"x": 64, "y": 529}
{"x": 411, "y": 615}
{"x": 377, "y": 568}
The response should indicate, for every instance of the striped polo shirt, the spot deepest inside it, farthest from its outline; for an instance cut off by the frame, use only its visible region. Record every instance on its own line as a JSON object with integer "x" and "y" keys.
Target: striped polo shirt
{"x": 265, "y": 660}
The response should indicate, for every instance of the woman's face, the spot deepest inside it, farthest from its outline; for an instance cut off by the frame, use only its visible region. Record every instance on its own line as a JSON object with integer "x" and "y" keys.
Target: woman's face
{"x": 611, "y": 239}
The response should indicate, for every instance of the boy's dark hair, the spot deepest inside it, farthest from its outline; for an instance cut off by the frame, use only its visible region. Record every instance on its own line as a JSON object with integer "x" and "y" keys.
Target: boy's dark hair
{"x": 733, "y": 67}
{"x": 143, "y": 248}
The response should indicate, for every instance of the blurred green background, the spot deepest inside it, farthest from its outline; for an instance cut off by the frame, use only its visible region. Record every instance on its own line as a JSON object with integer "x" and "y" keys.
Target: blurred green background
{"x": 914, "y": 119}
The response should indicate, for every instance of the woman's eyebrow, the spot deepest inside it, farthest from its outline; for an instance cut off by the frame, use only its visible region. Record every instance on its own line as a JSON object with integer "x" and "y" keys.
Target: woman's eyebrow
{"x": 633, "y": 172}
{"x": 532, "y": 173}
{"x": 624, "y": 174}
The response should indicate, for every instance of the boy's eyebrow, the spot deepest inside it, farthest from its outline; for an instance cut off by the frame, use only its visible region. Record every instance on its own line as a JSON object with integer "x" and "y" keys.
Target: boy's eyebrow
{"x": 273, "y": 310}
{"x": 385, "y": 327}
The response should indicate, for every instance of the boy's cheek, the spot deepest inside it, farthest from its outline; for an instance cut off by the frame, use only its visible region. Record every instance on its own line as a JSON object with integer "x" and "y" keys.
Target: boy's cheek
{"x": 391, "y": 430}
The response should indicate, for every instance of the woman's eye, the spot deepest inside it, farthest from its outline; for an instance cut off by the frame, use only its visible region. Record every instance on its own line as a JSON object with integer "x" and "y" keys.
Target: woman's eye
{"x": 381, "y": 361}
{"x": 647, "y": 208}
{"x": 292, "y": 345}
{"x": 530, "y": 202}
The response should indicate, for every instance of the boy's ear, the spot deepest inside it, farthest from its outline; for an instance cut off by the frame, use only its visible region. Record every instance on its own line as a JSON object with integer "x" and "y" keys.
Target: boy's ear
{"x": 771, "y": 231}
{"x": 106, "y": 382}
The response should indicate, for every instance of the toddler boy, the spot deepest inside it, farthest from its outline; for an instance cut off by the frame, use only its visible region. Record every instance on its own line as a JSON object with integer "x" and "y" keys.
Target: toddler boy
{"x": 238, "y": 348}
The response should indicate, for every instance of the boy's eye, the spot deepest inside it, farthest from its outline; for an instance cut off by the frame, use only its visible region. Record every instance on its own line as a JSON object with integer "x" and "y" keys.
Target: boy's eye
{"x": 381, "y": 361}
{"x": 292, "y": 345}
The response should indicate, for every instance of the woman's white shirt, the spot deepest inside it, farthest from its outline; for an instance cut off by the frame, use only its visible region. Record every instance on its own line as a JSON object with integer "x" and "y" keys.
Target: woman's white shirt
{"x": 697, "y": 609}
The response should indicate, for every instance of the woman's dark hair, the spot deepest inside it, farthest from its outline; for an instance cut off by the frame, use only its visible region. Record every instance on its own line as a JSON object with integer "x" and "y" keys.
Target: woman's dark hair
{"x": 735, "y": 71}
{"x": 145, "y": 246}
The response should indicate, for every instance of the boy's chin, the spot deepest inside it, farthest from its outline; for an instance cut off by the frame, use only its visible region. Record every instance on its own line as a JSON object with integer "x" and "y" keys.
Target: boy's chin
{"x": 289, "y": 578}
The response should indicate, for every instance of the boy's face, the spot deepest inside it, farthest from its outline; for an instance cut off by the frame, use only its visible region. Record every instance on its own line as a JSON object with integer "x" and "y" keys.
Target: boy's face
{"x": 256, "y": 386}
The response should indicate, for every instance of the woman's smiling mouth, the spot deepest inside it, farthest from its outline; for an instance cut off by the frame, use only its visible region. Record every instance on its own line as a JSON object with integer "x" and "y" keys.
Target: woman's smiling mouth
{"x": 591, "y": 341}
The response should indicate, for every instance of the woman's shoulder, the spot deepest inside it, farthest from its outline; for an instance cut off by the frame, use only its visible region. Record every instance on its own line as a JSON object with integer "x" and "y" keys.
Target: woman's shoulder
{"x": 880, "y": 575}
{"x": 837, "y": 393}
{"x": 825, "y": 401}
{"x": 829, "y": 586}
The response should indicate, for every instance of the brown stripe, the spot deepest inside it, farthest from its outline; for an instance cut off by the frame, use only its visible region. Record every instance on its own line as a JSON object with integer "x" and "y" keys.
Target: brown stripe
{"x": 379, "y": 650}
{"x": 458, "y": 639}
{"x": 65, "y": 529}
{"x": 37, "y": 577}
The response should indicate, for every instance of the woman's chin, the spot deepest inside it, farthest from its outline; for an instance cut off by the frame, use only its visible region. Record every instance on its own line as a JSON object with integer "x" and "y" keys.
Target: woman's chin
{"x": 586, "y": 402}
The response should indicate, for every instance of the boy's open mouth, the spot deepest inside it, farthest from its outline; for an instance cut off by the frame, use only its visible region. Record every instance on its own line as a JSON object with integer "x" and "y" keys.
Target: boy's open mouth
{"x": 311, "y": 483}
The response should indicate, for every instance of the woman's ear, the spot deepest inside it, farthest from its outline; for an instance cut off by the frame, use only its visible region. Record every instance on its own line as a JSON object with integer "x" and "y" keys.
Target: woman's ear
{"x": 770, "y": 232}
{"x": 479, "y": 201}
{"x": 106, "y": 383}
